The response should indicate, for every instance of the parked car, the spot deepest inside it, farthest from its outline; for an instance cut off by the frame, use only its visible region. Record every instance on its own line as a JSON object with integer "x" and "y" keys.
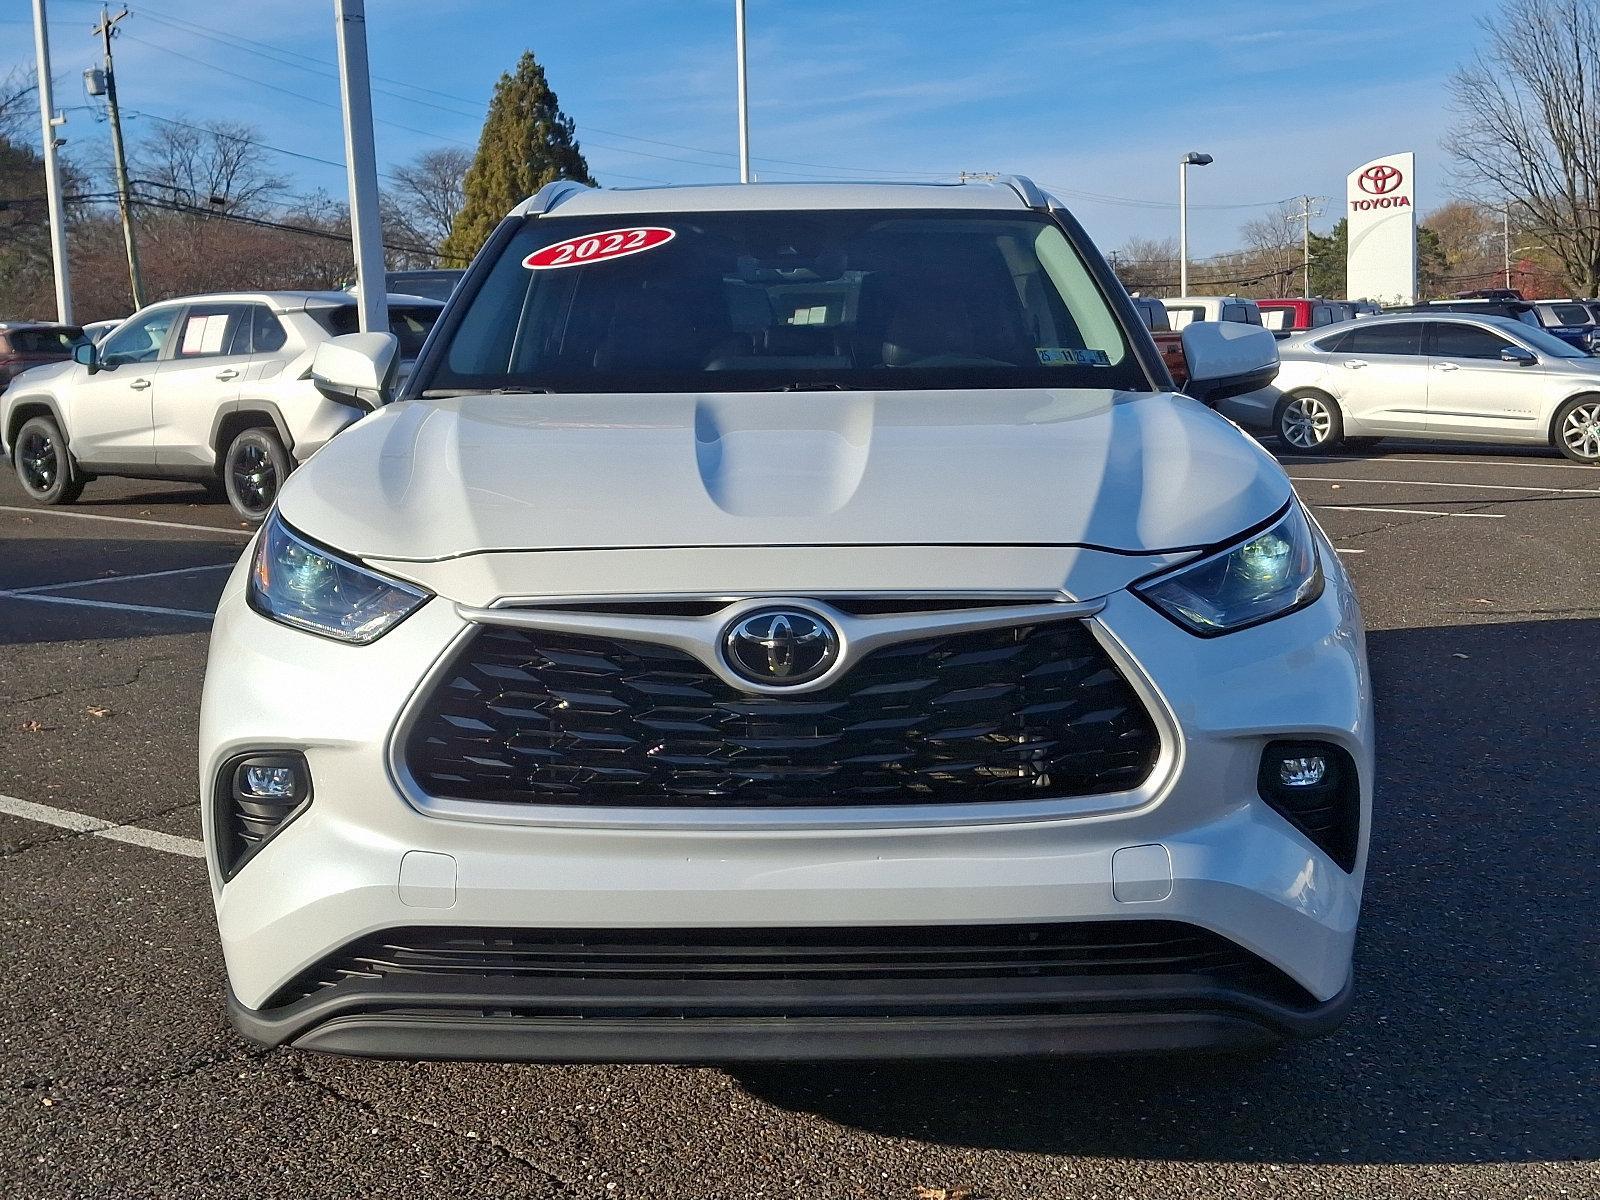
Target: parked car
{"x": 96, "y": 331}
{"x": 1580, "y": 318}
{"x": 1581, "y": 335}
{"x": 1182, "y": 310}
{"x": 1285, "y": 317}
{"x": 212, "y": 388}
{"x": 1170, "y": 342}
{"x": 1443, "y": 375}
{"x": 773, "y": 622}
{"x": 28, "y": 344}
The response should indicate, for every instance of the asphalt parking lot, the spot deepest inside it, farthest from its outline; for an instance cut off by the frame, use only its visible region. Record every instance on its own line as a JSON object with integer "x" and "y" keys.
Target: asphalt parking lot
{"x": 1469, "y": 1066}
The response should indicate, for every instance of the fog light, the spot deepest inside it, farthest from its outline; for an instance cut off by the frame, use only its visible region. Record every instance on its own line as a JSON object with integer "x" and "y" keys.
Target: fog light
{"x": 267, "y": 783}
{"x": 257, "y": 796}
{"x": 1307, "y": 771}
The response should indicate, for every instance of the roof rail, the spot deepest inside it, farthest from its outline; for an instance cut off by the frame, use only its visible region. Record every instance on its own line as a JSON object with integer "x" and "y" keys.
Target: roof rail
{"x": 1027, "y": 189}
{"x": 549, "y": 196}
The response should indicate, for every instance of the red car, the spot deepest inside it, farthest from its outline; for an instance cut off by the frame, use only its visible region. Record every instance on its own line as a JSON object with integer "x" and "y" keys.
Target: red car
{"x": 25, "y": 344}
{"x": 1284, "y": 317}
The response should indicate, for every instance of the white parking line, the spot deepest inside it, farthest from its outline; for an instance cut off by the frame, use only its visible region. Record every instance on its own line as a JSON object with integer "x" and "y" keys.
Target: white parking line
{"x": 1410, "y": 512}
{"x": 77, "y": 583}
{"x": 1464, "y": 462}
{"x": 150, "y": 839}
{"x": 1346, "y": 550}
{"x": 1486, "y": 487}
{"x": 195, "y": 613}
{"x": 86, "y": 516}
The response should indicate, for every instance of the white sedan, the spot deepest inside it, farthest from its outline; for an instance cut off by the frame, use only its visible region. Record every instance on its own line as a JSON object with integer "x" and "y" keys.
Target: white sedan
{"x": 1449, "y": 376}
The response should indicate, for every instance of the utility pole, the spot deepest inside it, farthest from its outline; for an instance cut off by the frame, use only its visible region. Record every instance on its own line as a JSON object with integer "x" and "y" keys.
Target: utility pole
{"x": 1306, "y": 214}
{"x": 1505, "y": 238}
{"x": 366, "y": 231}
{"x": 744, "y": 94}
{"x": 105, "y": 29}
{"x": 48, "y": 121}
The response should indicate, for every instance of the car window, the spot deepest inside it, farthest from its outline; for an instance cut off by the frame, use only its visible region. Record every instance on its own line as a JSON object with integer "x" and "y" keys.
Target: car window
{"x": 140, "y": 339}
{"x": 209, "y": 330}
{"x": 1391, "y": 337}
{"x": 1275, "y": 317}
{"x": 44, "y": 341}
{"x": 1321, "y": 315}
{"x": 1569, "y": 314}
{"x": 1233, "y": 312}
{"x": 1183, "y": 315}
{"x": 409, "y": 323}
{"x": 267, "y": 332}
{"x": 1548, "y": 344}
{"x": 1452, "y": 340}
{"x": 738, "y": 301}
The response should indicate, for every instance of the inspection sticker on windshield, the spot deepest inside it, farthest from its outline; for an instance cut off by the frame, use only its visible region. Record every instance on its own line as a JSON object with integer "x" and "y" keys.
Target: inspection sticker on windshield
{"x": 1059, "y": 356}
{"x": 598, "y": 247}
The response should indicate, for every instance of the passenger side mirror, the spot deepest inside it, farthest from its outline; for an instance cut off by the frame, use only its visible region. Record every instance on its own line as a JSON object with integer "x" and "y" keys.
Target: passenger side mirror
{"x": 85, "y": 355}
{"x": 1519, "y": 355}
{"x": 1227, "y": 358}
{"x": 357, "y": 368}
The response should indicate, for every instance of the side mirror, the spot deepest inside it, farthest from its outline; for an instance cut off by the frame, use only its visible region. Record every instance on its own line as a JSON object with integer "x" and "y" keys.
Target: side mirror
{"x": 1228, "y": 358}
{"x": 85, "y": 355}
{"x": 1520, "y": 355}
{"x": 357, "y": 368}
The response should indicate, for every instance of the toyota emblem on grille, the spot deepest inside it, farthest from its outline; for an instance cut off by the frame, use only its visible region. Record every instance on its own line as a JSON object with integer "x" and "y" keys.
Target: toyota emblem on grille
{"x": 780, "y": 647}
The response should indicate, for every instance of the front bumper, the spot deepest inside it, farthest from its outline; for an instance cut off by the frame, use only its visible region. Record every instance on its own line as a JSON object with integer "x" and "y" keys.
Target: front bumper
{"x": 1199, "y": 847}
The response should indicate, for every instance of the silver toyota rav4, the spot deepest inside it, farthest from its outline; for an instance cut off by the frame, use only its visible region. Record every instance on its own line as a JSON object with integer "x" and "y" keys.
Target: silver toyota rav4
{"x": 788, "y": 621}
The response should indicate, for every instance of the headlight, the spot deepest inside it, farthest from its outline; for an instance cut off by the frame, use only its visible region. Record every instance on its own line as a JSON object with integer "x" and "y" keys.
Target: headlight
{"x": 1272, "y": 573}
{"x": 298, "y": 584}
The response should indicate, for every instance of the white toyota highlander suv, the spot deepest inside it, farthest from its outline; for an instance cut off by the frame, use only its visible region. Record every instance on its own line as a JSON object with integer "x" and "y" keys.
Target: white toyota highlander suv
{"x": 214, "y": 388}
{"x": 788, "y": 621}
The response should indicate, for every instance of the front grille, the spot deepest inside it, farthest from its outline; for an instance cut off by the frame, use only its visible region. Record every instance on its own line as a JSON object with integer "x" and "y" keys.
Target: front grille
{"x": 528, "y": 716}
{"x": 736, "y": 969}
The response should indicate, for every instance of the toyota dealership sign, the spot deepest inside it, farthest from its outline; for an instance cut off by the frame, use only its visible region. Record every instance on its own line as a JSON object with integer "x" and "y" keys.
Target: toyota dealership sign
{"x": 1383, "y": 230}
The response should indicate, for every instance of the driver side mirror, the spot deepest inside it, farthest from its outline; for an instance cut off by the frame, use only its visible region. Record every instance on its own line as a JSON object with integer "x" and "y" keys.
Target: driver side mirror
{"x": 1520, "y": 355}
{"x": 85, "y": 355}
{"x": 357, "y": 369}
{"x": 1228, "y": 358}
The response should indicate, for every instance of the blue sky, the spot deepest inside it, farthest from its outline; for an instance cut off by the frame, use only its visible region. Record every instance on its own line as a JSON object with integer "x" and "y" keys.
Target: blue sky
{"x": 1095, "y": 98}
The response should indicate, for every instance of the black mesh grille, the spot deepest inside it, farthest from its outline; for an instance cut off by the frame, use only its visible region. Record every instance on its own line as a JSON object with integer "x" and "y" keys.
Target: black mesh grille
{"x": 529, "y": 716}
{"x": 640, "y": 962}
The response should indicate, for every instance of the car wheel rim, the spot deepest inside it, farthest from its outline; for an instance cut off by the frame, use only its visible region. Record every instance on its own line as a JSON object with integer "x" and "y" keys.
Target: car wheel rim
{"x": 39, "y": 461}
{"x": 255, "y": 481}
{"x": 1580, "y": 432}
{"x": 1306, "y": 423}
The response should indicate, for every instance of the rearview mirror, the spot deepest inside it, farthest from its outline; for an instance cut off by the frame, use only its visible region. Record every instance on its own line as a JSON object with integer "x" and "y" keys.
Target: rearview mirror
{"x": 85, "y": 355}
{"x": 357, "y": 368}
{"x": 1228, "y": 358}
{"x": 1519, "y": 355}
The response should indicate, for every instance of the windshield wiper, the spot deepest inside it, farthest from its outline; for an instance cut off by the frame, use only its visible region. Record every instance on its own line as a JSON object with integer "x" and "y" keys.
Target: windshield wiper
{"x": 447, "y": 393}
{"x": 818, "y": 386}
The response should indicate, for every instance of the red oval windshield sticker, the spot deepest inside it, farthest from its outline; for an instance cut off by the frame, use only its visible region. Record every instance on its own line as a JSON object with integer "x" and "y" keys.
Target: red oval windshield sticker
{"x": 598, "y": 247}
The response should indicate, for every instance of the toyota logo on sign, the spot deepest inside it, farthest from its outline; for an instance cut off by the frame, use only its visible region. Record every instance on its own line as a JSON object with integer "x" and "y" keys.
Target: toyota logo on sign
{"x": 1380, "y": 180}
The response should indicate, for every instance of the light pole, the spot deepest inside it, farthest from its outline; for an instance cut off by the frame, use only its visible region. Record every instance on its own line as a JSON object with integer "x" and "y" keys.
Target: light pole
{"x": 744, "y": 94}
{"x": 48, "y": 120}
{"x": 366, "y": 231}
{"x": 1191, "y": 159}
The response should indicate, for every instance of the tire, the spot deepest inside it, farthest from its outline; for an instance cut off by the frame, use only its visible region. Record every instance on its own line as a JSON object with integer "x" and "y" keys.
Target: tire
{"x": 252, "y": 472}
{"x": 1309, "y": 423}
{"x": 1576, "y": 429}
{"x": 44, "y": 466}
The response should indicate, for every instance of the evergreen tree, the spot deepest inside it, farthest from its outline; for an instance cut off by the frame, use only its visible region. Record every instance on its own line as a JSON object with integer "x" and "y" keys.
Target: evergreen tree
{"x": 527, "y": 142}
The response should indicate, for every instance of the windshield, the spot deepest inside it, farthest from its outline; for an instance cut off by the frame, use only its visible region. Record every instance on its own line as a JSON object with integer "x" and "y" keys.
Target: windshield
{"x": 1550, "y": 344}
{"x": 736, "y": 301}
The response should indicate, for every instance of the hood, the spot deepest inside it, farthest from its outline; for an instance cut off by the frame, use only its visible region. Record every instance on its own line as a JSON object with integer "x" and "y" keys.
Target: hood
{"x": 1130, "y": 472}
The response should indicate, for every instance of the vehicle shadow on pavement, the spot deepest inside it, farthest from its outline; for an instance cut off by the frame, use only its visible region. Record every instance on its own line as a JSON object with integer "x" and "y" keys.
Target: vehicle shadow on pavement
{"x": 1473, "y": 1037}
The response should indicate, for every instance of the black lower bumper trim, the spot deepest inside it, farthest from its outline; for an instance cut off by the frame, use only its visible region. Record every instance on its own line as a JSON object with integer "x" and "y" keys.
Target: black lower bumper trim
{"x": 1136, "y": 1016}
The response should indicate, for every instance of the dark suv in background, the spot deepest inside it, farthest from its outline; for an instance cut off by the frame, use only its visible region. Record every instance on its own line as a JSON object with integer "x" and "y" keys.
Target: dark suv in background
{"x": 25, "y": 344}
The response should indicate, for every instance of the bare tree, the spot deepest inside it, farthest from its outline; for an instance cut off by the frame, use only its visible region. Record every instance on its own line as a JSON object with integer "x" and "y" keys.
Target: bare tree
{"x": 209, "y": 165}
{"x": 19, "y": 111}
{"x": 1274, "y": 249}
{"x": 1528, "y": 126}
{"x": 1147, "y": 265}
{"x": 427, "y": 194}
